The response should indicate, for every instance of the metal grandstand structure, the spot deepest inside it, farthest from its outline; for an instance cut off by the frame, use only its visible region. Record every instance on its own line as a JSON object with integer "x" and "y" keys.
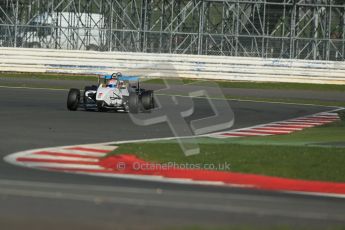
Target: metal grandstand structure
{"x": 303, "y": 29}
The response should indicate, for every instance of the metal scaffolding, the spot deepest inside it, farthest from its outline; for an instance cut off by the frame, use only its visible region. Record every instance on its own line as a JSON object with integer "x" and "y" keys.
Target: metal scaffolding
{"x": 304, "y": 29}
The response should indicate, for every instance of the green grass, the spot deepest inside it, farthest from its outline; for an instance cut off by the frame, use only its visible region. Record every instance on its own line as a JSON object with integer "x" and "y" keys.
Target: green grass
{"x": 45, "y": 76}
{"x": 47, "y": 84}
{"x": 270, "y": 85}
{"x": 161, "y": 81}
{"x": 289, "y": 100}
{"x": 252, "y": 85}
{"x": 277, "y": 100}
{"x": 290, "y": 156}
{"x": 310, "y": 163}
{"x": 264, "y": 85}
{"x": 256, "y": 227}
{"x": 224, "y": 84}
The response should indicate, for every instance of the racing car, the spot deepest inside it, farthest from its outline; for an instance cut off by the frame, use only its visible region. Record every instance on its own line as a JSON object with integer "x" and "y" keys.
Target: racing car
{"x": 114, "y": 92}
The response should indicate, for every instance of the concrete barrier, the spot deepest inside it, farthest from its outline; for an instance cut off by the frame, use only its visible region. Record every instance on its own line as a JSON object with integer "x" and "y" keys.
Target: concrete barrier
{"x": 172, "y": 65}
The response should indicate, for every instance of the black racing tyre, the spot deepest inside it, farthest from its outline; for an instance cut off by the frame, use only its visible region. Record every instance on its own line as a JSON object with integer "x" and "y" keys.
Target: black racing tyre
{"x": 147, "y": 100}
{"x": 73, "y": 99}
{"x": 133, "y": 102}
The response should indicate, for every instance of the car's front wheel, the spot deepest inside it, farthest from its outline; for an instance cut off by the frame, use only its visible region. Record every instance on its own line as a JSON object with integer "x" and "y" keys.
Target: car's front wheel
{"x": 73, "y": 99}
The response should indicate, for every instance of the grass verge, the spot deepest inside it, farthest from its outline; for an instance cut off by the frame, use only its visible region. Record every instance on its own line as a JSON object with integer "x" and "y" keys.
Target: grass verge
{"x": 46, "y": 84}
{"x": 223, "y": 84}
{"x": 298, "y": 155}
{"x": 264, "y": 85}
{"x": 275, "y": 100}
{"x": 289, "y": 100}
{"x": 257, "y": 227}
{"x": 45, "y": 76}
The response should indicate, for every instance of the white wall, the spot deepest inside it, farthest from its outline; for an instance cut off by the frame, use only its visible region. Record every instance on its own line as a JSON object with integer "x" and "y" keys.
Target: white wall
{"x": 172, "y": 65}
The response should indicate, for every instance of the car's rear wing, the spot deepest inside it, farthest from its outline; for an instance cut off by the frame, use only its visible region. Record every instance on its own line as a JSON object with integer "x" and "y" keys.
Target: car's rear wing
{"x": 128, "y": 78}
{"x": 121, "y": 78}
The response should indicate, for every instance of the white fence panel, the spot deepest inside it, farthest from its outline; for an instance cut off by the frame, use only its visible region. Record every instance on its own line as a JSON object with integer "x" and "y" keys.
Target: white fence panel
{"x": 172, "y": 65}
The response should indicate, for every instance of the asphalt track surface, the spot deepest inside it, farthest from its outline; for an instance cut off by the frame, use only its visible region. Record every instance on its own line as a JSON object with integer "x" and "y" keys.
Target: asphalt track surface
{"x": 32, "y": 199}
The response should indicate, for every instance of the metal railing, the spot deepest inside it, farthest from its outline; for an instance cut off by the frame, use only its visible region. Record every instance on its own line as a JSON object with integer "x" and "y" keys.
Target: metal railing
{"x": 293, "y": 29}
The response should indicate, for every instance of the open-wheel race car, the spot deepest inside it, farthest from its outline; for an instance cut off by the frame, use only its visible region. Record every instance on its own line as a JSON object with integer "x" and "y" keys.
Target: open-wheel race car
{"x": 114, "y": 92}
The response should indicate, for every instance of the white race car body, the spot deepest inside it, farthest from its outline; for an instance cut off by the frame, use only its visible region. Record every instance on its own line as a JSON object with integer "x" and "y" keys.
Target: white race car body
{"x": 111, "y": 96}
{"x": 119, "y": 93}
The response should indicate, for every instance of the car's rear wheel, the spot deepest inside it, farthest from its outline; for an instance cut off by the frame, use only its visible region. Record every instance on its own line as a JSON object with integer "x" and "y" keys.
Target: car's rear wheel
{"x": 133, "y": 102}
{"x": 73, "y": 99}
{"x": 147, "y": 100}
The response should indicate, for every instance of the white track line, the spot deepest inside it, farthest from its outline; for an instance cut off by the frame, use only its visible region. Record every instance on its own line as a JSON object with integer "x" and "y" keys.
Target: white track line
{"x": 278, "y": 128}
{"x": 271, "y": 131}
{"x": 64, "y": 158}
{"x": 39, "y": 165}
{"x": 77, "y": 152}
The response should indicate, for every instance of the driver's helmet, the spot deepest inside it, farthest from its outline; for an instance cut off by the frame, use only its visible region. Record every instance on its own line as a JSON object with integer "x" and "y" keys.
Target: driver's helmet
{"x": 116, "y": 75}
{"x": 112, "y": 83}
